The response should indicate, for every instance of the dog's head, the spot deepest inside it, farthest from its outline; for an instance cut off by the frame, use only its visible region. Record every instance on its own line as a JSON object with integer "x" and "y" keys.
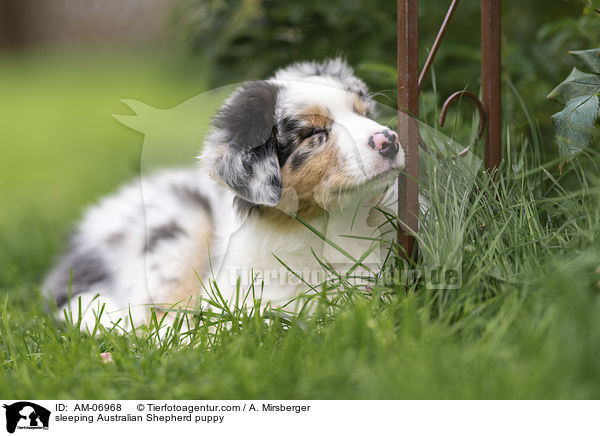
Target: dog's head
{"x": 303, "y": 137}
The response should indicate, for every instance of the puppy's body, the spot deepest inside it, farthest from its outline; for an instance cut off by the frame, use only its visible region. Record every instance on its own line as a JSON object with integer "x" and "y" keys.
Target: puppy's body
{"x": 145, "y": 244}
{"x": 301, "y": 144}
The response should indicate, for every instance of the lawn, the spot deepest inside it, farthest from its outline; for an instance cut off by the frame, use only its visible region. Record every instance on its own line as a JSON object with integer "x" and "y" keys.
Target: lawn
{"x": 525, "y": 322}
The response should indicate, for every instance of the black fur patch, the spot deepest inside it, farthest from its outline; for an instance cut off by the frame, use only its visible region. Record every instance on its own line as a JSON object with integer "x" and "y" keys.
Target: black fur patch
{"x": 275, "y": 183}
{"x": 168, "y": 231}
{"x": 249, "y": 117}
{"x": 193, "y": 196}
{"x": 243, "y": 207}
{"x": 286, "y": 139}
{"x": 299, "y": 159}
{"x": 80, "y": 270}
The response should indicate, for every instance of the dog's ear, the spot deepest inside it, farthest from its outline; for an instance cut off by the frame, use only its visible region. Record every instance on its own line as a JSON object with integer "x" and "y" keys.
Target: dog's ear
{"x": 241, "y": 150}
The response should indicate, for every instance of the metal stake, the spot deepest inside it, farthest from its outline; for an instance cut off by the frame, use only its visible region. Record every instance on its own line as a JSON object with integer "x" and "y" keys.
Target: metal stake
{"x": 408, "y": 106}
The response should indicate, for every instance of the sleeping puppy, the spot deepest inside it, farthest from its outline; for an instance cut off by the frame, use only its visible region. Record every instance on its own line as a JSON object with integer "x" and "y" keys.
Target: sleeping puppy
{"x": 289, "y": 163}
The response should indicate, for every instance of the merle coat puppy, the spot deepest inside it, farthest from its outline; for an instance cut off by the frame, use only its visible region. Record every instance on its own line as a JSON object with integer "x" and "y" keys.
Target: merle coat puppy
{"x": 287, "y": 159}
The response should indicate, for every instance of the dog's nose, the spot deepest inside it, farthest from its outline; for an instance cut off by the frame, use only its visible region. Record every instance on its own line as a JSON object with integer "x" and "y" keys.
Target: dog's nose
{"x": 386, "y": 143}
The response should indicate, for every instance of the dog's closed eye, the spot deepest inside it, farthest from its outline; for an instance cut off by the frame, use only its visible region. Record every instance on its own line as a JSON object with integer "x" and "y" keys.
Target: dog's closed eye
{"x": 318, "y": 134}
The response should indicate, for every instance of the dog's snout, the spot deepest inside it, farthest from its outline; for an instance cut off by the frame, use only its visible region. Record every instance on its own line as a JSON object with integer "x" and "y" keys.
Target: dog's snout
{"x": 386, "y": 143}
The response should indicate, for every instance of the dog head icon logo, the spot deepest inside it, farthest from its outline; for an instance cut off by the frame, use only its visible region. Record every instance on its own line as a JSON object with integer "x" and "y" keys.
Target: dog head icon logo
{"x": 26, "y": 415}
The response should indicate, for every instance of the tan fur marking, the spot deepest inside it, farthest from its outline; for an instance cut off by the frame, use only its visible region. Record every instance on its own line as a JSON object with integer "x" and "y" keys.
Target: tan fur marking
{"x": 306, "y": 190}
{"x": 317, "y": 116}
{"x": 315, "y": 171}
{"x": 360, "y": 107}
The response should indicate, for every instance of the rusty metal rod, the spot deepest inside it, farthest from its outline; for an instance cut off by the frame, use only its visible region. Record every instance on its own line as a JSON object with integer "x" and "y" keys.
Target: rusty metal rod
{"x": 490, "y": 79}
{"x": 437, "y": 43}
{"x": 408, "y": 107}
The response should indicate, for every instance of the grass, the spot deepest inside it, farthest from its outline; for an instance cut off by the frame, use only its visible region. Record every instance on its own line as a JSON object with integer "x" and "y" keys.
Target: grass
{"x": 525, "y": 323}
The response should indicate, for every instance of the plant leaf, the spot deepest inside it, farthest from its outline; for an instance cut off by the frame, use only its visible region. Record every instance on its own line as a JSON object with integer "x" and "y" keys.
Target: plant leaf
{"x": 575, "y": 125}
{"x": 577, "y": 84}
{"x": 587, "y": 61}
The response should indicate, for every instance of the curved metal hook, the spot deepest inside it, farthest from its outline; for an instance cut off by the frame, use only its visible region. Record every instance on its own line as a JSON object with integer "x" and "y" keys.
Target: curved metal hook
{"x": 480, "y": 109}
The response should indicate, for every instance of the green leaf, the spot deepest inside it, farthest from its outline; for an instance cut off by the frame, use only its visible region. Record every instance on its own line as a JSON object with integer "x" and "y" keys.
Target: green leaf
{"x": 576, "y": 85}
{"x": 579, "y": 92}
{"x": 575, "y": 125}
{"x": 587, "y": 61}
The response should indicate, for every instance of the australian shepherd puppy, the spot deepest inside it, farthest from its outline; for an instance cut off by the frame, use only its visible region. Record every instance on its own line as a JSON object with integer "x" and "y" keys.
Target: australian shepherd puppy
{"x": 292, "y": 167}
